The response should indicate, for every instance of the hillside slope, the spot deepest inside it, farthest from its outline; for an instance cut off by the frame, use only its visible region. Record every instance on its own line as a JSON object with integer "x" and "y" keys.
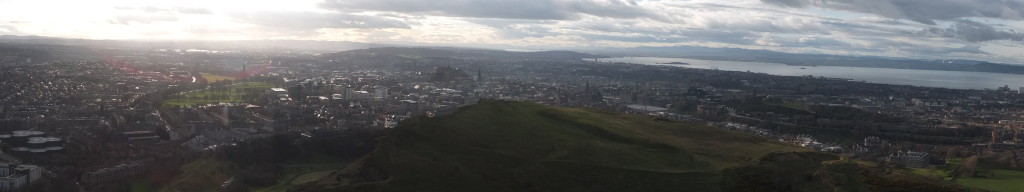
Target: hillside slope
{"x": 514, "y": 146}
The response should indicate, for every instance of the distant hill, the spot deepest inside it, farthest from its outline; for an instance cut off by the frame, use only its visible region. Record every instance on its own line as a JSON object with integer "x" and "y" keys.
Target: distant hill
{"x": 471, "y": 53}
{"x": 514, "y": 146}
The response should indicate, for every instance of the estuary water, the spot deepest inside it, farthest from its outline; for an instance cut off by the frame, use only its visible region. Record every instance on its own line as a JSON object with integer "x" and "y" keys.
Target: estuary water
{"x": 927, "y": 78}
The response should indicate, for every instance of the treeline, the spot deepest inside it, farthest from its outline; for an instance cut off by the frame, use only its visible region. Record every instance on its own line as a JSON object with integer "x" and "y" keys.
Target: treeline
{"x": 762, "y": 105}
{"x": 852, "y": 114}
{"x": 776, "y": 105}
{"x": 853, "y": 130}
{"x": 841, "y": 122}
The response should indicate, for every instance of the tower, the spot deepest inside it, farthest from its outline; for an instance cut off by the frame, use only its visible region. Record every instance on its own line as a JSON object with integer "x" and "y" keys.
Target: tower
{"x": 994, "y": 136}
{"x": 1016, "y": 132}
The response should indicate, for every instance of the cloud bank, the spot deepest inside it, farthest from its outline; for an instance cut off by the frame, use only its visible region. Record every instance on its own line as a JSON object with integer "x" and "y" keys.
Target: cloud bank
{"x": 929, "y": 29}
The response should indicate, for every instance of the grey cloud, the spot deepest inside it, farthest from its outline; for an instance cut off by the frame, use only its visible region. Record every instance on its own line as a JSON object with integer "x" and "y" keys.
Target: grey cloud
{"x": 973, "y": 49}
{"x": 521, "y": 31}
{"x": 922, "y": 11}
{"x": 315, "y": 20}
{"x": 883, "y": 43}
{"x": 870, "y": 29}
{"x": 7, "y": 29}
{"x": 743, "y": 37}
{"x": 499, "y": 23}
{"x": 508, "y": 9}
{"x": 734, "y": 37}
{"x": 192, "y": 10}
{"x": 402, "y": 16}
{"x": 821, "y": 42}
{"x": 974, "y": 31}
{"x": 976, "y": 49}
{"x": 182, "y": 10}
{"x": 141, "y": 19}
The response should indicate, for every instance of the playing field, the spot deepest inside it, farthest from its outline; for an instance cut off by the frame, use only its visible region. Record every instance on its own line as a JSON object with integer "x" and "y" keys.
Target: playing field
{"x": 215, "y": 78}
{"x": 239, "y": 92}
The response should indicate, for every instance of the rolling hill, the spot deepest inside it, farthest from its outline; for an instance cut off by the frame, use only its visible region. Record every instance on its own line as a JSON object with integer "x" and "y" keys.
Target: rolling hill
{"x": 514, "y": 146}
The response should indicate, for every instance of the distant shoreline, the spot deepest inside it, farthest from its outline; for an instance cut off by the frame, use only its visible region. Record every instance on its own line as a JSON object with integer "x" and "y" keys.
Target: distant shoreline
{"x": 675, "y": 63}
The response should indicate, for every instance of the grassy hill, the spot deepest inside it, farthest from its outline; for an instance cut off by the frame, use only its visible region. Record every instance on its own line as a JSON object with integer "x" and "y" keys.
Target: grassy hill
{"x": 514, "y": 146}
{"x": 205, "y": 174}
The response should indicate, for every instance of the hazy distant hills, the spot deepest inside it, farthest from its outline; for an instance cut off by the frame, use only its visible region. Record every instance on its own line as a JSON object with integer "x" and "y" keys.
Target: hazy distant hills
{"x": 473, "y": 53}
{"x": 330, "y": 47}
{"x": 243, "y": 45}
{"x": 514, "y": 146}
{"x": 734, "y": 54}
{"x": 65, "y": 46}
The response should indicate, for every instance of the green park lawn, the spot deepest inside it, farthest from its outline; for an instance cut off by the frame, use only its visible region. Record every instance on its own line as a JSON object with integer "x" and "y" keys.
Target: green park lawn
{"x": 1004, "y": 180}
{"x": 304, "y": 171}
{"x": 234, "y": 93}
{"x": 201, "y": 175}
{"x": 215, "y": 78}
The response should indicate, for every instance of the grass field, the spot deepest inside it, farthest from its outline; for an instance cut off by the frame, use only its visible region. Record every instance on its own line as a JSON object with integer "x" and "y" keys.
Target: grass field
{"x": 296, "y": 174}
{"x": 1004, "y": 180}
{"x": 141, "y": 185}
{"x": 301, "y": 171}
{"x": 208, "y": 174}
{"x": 236, "y": 93}
{"x": 795, "y": 105}
{"x": 215, "y": 78}
{"x": 310, "y": 177}
{"x": 201, "y": 175}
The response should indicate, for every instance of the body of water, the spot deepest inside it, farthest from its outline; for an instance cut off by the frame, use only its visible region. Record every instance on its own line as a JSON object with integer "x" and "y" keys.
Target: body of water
{"x": 927, "y": 78}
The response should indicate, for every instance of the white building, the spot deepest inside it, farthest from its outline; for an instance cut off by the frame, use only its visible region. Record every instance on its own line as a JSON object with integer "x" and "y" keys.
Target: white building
{"x": 15, "y": 176}
{"x": 12, "y": 182}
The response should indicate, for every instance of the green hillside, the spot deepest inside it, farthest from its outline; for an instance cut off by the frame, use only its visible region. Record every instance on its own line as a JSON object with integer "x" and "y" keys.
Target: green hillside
{"x": 514, "y": 146}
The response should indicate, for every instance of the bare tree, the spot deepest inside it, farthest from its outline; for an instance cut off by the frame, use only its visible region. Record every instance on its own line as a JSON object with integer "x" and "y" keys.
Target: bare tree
{"x": 968, "y": 167}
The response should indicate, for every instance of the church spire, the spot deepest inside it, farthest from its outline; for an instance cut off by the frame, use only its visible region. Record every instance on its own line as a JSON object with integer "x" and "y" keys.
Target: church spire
{"x": 586, "y": 87}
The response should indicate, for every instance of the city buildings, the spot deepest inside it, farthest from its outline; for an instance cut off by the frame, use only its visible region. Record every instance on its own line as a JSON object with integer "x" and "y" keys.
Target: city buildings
{"x": 15, "y": 176}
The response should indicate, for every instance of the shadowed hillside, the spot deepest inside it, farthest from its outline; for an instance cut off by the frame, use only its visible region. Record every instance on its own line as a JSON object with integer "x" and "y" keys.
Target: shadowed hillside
{"x": 514, "y": 146}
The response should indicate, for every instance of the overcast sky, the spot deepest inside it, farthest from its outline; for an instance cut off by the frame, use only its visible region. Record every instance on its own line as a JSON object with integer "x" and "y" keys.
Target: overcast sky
{"x": 932, "y": 29}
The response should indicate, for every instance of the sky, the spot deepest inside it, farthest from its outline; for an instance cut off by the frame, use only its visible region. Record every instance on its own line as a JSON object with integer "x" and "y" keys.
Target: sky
{"x": 990, "y": 30}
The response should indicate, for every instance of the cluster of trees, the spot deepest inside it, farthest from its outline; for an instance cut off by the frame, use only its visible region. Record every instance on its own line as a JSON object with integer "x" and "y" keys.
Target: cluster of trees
{"x": 762, "y": 105}
{"x": 842, "y": 121}
{"x": 260, "y": 163}
{"x": 854, "y": 114}
{"x": 969, "y": 167}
